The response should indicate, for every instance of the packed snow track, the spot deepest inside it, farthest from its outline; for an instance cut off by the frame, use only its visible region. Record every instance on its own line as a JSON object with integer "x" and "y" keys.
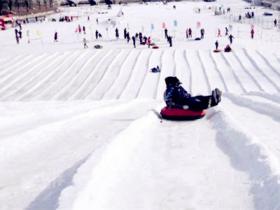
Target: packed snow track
{"x": 80, "y": 131}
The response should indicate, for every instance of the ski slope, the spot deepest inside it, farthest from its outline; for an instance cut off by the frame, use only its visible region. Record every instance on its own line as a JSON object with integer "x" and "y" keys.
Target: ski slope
{"x": 79, "y": 129}
{"x": 125, "y": 74}
{"x": 116, "y": 154}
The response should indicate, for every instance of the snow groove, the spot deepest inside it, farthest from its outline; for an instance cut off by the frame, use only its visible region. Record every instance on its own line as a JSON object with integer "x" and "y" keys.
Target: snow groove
{"x": 159, "y": 89}
{"x": 123, "y": 76}
{"x": 15, "y": 72}
{"x": 180, "y": 70}
{"x": 61, "y": 78}
{"x": 233, "y": 72}
{"x": 133, "y": 67}
{"x": 109, "y": 76}
{"x": 272, "y": 97}
{"x": 81, "y": 80}
{"x": 88, "y": 72}
{"x": 149, "y": 84}
{"x": 271, "y": 110}
{"x": 278, "y": 59}
{"x": 119, "y": 82}
{"x": 28, "y": 122}
{"x": 254, "y": 159}
{"x": 204, "y": 71}
{"x": 30, "y": 80}
{"x": 216, "y": 68}
{"x": 71, "y": 74}
{"x": 198, "y": 76}
{"x": 135, "y": 83}
{"x": 256, "y": 66}
{"x": 48, "y": 199}
{"x": 269, "y": 63}
{"x": 190, "y": 72}
{"x": 75, "y": 83}
{"x": 94, "y": 78}
{"x": 12, "y": 63}
{"x": 248, "y": 73}
{"x": 38, "y": 89}
{"x": 16, "y": 79}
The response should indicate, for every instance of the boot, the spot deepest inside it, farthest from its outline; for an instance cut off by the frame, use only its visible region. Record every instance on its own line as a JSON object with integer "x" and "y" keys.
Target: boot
{"x": 216, "y": 97}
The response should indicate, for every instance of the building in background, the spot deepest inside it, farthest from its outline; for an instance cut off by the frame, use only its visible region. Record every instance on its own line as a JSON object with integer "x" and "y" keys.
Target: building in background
{"x": 24, "y": 7}
{"x": 275, "y": 4}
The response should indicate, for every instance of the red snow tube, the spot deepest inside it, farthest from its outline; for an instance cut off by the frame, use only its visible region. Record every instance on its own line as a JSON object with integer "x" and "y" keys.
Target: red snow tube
{"x": 181, "y": 114}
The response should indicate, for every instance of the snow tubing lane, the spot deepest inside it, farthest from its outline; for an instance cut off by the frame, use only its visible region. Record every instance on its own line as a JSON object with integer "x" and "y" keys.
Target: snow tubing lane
{"x": 181, "y": 114}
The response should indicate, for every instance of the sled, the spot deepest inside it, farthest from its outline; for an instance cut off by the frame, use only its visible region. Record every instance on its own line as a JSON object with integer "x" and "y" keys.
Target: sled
{"x": 181, "y": 114}
{"x": 97, "y": 46}
{"x": 155, "y": 47}
{"x": 216, "y": 51}
{"x": 227, "y": 50}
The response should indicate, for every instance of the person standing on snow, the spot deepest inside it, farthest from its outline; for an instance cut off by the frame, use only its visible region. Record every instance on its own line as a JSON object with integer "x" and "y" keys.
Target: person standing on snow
{"x": 149, "y": 42}
{"x": 117, "y": 33}
{"x": 275, "y": 22}
{"x": 190, "y": 32}
{"x": 96, "y": 34}
{"x": 140, "y": 38}
{"x": 187, "y": 33}
{"x": 79, "y": 29}
{"x": 252, "y": 33}
{"x": 134, "y": 41}
{"x": 217, "y": 45}
{"x": 166, "y": 33}
{"x": 169, "y": 39}
{"x": 127, "y": 37}
{"x": 230, "y": 37}
{"x": 202, "y": 32}
{"x": 124, "y": 33}
{"x": 55, "y": 36}
{"x": 85, "y": 43}
{"x": 226, "y": 29}
{"x": 175, "y": 96}
{"x": 17, "y": 36}
{"x": 219, "y": 33}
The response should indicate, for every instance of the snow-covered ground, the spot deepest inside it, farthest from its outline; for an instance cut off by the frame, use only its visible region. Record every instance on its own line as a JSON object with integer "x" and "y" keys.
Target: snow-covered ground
{"x": 79, "y": 128}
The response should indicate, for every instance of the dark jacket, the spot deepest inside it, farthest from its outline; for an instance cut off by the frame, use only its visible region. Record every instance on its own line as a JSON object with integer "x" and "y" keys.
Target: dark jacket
{"x": 176, "y": 96}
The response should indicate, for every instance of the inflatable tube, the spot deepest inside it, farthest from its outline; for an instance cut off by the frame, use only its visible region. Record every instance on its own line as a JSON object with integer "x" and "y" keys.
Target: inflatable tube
{"x": 97, "y": 46}
{"x": 181, "y": 114}
{"x": 216, "y": 51}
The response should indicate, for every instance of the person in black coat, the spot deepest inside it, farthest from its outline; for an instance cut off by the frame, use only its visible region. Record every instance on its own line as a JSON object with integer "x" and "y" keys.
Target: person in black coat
{"x": 230, "y": 37}
{"x": 169, "y": 39}
{"x": 166, "y": 33}
{"x": 217, "y": 45}
{"x": 117, "y": 33}
{"x": 175, "y": 96}
{"x": 134, "y": 41}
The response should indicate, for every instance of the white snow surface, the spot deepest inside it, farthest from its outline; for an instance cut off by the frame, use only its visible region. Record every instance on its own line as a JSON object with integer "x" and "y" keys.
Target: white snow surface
{"x": 79, "y": 128}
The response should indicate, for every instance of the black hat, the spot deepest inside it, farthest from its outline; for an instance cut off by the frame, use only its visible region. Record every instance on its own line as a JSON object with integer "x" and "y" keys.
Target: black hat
{"x": 172, "y": 81}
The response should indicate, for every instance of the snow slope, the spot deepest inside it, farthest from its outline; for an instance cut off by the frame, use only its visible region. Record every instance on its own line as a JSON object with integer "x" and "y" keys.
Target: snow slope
{"x": 79, "y": 129}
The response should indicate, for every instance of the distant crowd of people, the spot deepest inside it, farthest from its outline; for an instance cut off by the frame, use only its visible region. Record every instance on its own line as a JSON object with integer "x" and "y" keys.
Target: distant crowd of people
{"x": 140, "y": 39}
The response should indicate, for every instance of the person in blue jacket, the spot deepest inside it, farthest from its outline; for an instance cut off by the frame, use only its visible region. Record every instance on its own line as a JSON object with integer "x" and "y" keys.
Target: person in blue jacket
{"x": 175, "y": 96}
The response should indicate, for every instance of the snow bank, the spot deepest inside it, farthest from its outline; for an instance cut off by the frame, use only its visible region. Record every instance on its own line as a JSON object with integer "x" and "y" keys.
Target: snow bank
{"x": 251, "y": 157}
{"x": 109, "y": 171}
